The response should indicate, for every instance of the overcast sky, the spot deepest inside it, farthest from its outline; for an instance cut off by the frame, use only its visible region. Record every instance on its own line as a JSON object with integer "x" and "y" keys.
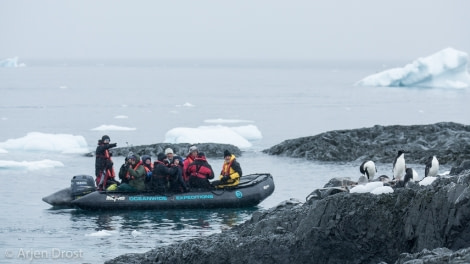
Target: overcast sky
{"x": 232, "y": 29}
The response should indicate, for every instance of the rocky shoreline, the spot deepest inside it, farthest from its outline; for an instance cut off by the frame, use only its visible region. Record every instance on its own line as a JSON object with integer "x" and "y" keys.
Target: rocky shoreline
{"x": 415, "y": 224}
{"x": 448, "y": 141}
{"x": 211, "y": 150}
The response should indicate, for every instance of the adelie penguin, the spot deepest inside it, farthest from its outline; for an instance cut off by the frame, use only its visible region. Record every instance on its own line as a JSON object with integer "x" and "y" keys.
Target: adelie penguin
{"x": 399, "y": 165}
{"x": 410, "y": 176}
{"x": 368, "y": 169}
{"x": 432, "y": 167}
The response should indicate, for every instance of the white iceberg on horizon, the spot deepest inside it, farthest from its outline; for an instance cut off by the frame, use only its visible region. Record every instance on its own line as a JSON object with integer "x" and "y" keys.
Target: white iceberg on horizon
{"x": 113, "y": 128}
{"x": 11, "y": 63}
{"x": 444, "y": 69}
{"x": 30, "y": 165}
{"x": 238, "y": 136}
{"x": 36, "y": 141}
{"x": 227, "y": 121}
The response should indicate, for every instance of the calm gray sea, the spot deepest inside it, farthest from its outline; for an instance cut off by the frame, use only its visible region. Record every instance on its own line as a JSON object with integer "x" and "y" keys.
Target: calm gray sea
{"x": 283, "y": 99}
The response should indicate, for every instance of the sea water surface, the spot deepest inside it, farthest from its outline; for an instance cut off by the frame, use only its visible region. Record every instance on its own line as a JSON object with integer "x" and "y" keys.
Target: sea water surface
{"x": 283, "y": 99}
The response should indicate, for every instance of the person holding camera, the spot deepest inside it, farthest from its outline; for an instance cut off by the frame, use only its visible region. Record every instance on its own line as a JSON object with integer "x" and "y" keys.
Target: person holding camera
{"x": 123, "y": 170}
{"x": 135, "y": 175}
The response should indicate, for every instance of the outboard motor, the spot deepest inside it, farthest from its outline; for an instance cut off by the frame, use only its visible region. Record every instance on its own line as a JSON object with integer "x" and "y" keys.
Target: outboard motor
{"x": 82, "y": 185}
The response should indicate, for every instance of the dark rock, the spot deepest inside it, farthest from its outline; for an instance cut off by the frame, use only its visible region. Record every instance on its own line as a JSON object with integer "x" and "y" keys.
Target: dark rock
{"x": 339, "y": 182}
{"x": 465, "y": 165}
{"x": 340, "y": 228}
{"x": 436, "y": 256}
{"x": 450, "y": 142}
{"x": 211, "y": 150}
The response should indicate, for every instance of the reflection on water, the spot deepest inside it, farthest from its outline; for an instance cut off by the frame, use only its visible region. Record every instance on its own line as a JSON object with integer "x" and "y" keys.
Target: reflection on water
{"x": 214, "y": 219}
{"x": 104, "y": 235}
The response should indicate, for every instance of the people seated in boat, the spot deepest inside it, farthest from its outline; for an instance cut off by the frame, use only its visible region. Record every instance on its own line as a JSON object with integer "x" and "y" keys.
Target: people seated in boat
{"x": 104, "y": 170}
{"x": 200, "y": 172}
{"x": 171, "y": 157}
{"x": 177, "y": 183}
{"x": 162, "y": 174}
{"x": 231, "y": 172}
{"x": 148, "y": 166}
{"x": 135, "y": 174}
{"x": 123, "y": 171}
{"x": 192, "y": 154}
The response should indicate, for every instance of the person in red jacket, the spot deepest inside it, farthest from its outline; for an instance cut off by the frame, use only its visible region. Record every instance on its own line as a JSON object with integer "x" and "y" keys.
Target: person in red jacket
{"x": 200, "y": 172}
{"x": 192, "y": 154}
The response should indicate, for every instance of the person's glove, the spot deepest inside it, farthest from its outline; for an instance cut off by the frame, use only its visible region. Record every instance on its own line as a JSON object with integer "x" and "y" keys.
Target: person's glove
{"x": 225, "y": 178}
{"x": 112, "y": 145}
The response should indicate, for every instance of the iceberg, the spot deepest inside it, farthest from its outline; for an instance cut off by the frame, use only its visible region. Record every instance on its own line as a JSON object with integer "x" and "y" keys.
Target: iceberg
{"x": 11, "y": 63}
{"x": 113, "y": 128}
{"x": 444, "y": 69}
{"x": 36, "y": 141}
{"x": 239, "y": 136}
{"x": 30, "y": 165}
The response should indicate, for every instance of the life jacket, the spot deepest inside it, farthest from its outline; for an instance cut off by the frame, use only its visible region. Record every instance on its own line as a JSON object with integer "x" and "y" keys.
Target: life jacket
{"x": 189, "y": 159}
{"x": 105, "y": 155}
{"x": 199, "y": 168}
{"x": 227, "y": 170}
{"x": 128, "y": 175}
{"x": 148, "y": 168}
{"x": 104, "y": 163}
{"x": 104, "y": 169}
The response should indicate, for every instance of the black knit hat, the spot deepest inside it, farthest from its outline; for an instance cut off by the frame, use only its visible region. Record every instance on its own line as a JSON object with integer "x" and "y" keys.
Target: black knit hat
{"x": 161, "y": 156}
{"x": 105, "y": 137}
{"x": 227, "y": 153}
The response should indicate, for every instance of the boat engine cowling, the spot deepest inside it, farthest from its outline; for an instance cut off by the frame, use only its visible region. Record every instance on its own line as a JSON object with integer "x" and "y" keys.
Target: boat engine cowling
{"x": 82, "y": 185}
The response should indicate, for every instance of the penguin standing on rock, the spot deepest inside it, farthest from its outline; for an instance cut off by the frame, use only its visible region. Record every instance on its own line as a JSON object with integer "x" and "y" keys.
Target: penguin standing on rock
{"x": 368, "y": 169}
{"x": 411, "y": 175}
{"x": 399, "y": 165}
{"x": 432, "y": 167}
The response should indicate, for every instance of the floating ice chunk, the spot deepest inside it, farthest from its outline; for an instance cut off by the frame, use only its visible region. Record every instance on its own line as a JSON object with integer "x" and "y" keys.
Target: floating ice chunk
{"x": 101, "y": 233}
{"x": 36, "y": 141}
{"x": 445, "y": 69}
{"x": 136, "y": 233}
{"x": 30, "y": 165}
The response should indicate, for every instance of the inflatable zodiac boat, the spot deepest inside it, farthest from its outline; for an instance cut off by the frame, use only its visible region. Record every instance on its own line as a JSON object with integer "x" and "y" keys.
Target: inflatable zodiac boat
{"x": 252, "y": 190}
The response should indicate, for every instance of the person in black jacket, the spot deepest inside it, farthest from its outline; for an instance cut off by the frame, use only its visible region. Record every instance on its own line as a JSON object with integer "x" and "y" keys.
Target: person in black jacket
{"x": 104, "y": 170}
{"x": 161, "y": 175}
{"x": 123, "y": 171}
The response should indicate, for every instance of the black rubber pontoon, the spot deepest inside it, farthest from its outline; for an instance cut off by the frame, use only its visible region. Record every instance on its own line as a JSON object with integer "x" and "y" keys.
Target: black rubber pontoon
{"x": 252, "y": 190}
